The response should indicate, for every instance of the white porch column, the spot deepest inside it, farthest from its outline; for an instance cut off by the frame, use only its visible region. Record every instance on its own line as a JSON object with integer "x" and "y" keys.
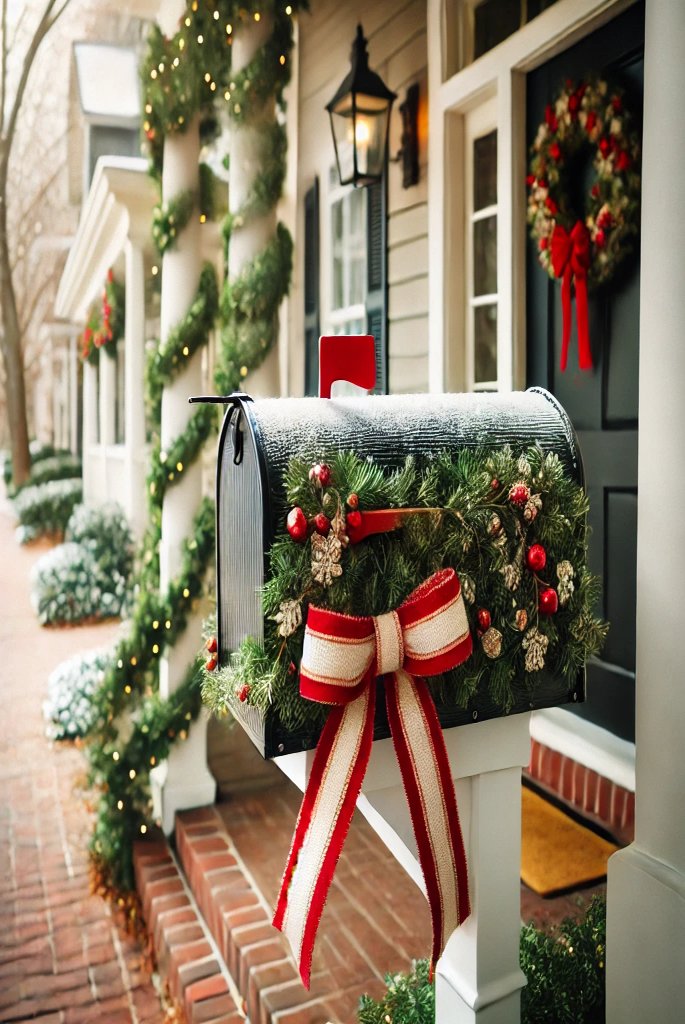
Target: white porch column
{"x": 646, "y": 894}
{"x": 90, "y": 427}
{"x": 478, "y": 979}
{"x": 108, "y": 398}
{"x": 246, "y": 242}
{"x": 184, "y": 780}
{"x": 72, "y": 348}
{"x": 134, "y": 374}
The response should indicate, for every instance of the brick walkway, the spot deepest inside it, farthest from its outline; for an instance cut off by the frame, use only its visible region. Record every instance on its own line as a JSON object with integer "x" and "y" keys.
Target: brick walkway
{"x": 62, "y": 960}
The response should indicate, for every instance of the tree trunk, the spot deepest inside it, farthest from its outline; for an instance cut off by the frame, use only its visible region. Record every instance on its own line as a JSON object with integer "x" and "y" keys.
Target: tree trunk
{"x": 12, "y": 354}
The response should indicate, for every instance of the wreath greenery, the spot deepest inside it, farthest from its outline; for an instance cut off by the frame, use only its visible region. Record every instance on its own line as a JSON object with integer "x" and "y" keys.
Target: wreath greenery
{"x": 586, "y": 120}
{"x": 512, "y": 525}
{"x": 105, "y": 323}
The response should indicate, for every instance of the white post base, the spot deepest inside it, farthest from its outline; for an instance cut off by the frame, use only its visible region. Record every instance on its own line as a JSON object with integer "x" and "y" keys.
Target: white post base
{"x": 645, "y": 979}
{"x": 184, "y": 781}
{"x": 478, "y": 978}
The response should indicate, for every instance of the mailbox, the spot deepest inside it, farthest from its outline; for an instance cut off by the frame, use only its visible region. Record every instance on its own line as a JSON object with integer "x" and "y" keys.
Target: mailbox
{"x": 259, "y": 438}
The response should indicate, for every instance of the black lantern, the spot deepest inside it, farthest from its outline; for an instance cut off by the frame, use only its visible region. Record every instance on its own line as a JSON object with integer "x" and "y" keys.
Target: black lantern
{"x": 360, "y": 116}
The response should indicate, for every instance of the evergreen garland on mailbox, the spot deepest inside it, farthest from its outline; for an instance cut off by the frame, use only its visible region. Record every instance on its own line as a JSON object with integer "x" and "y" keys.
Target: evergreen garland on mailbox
{"x": 512, "y": 526}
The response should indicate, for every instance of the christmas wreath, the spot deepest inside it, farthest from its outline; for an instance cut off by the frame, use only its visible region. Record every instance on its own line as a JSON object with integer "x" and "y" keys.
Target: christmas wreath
{"x": 105, "y": 324}
{"x": 513, "y": 526}
{"x": 585, "y": 246}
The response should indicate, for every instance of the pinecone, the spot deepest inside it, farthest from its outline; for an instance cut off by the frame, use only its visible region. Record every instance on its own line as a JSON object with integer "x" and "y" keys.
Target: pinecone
{"x": 535, "y": 645}
{"x": 512, "y": 576}
{"x": 288, "y": 617}
{"x": 532, "y": 507}
{"x": 492, "y": 642}
{"x": 468, "y": 588}
{"x": 326, "y": 553}
{"x": 565, "y": 587}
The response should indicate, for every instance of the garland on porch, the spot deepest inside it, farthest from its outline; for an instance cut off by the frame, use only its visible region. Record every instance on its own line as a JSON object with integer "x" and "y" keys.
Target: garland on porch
{"x": 105, "y": 323}
{"x": 134, "y": 727}
{"x": 512, "y": 526}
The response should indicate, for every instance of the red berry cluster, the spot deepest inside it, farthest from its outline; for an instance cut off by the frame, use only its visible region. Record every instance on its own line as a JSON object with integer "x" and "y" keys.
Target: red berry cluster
{"x": 297, "y": 524}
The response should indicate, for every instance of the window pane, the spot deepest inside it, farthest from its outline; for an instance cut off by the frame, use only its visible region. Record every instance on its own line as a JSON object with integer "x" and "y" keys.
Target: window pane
{"x": 485, "y": 256}
{"x": 356, "y": 201}
{"x": 485, "y": 343}
{"x": 485, "y": 171}
{"x": 495, "y": 20}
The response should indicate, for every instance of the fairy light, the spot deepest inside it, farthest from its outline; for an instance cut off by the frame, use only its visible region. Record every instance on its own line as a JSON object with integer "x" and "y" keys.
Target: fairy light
{"x": 120, "y": 805}
{"x": 134, "y": 661}
{"x": 208, "y": 77}
{"x": 167, "y": 624}
{"x": 179, "y": 467}
{"x": 154, "y": 270}
{"x": 186, "y": 350}
{"x": 229, "y": 29}
{"x": 155, "y": 624}
{"x": 148, "y": 108}
{"x": 257, "y": 16}
{"x": 143, "y": 829}
{"x": 281, "y": 59}
{"x": 227, "y": 95}
{"x": 216, "y": 15}
{"x": 153, "y": 73}
{"x": 132, "y": 774}
{"x": 155, "y": 648}
{"x": 127, "y": 688}
{"x": 186, "y": 592}
{"x": 187, "y": 22}
{"x": 153, "y": 760}
{"x": 288, "y": 10}
{"x": 160, "y": 67}
{"x": 177, "y": 61}
{"x": 115, "y": 755}
{"x": 203, "y": 218}
{"x": 181, "y": 43}
{"x": 200, "y": 39}
{"x": 212, "y": 86}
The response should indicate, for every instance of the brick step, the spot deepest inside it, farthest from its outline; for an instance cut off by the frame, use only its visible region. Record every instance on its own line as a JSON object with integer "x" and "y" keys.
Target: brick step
{"x": 232, "y": 855}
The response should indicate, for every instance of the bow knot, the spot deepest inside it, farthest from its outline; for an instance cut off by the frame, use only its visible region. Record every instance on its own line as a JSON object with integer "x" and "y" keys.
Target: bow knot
{"x": 389, "y": 643}
{"x": 570, "y": 254}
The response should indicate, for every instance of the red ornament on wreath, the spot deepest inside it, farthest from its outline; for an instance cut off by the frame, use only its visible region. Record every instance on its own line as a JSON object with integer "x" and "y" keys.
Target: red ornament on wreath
{"x": 548, "y": 601}
{"x": 320, "y": 474}
{"x": 322, "y": 524}
{"x": 536, "y": 558}
{"x": 484, "y": 620}
{"x": 296, "y": 524}
{"x": 584, "y": 247}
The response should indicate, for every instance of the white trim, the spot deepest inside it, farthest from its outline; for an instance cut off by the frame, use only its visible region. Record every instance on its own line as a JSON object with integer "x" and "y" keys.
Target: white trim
{"x": 586, "y": 743}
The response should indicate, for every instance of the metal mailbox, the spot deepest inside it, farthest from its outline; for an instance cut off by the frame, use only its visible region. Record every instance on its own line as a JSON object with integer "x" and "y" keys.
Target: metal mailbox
{"x": 257, "y": 440}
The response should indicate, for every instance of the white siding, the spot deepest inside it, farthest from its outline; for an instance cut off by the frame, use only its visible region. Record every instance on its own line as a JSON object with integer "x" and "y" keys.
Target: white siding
{"x": 396, "y": 35}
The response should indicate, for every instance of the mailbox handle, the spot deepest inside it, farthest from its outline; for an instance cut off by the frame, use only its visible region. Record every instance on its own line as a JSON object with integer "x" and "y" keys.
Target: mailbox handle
{"x": 350, "y": 357}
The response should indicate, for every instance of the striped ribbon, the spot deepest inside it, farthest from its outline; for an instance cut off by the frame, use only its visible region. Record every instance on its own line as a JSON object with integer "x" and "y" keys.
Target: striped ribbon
{"x": 341, "y": 658}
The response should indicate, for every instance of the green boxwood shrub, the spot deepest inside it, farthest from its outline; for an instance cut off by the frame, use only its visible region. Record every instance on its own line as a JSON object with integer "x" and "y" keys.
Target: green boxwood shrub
{"x": 87, "y": 576}
{"x": 46, "y": 508}
{"x": 63, "y": 466}
{"x": 68, "y": 708}
{"x": 564, "y": 969}
{"x": 37, "y": 452}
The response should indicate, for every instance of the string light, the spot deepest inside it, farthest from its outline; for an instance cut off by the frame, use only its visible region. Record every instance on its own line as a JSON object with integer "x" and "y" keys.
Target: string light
{"x": 115, "y": 755}
{"x": 132, "y": 774}
{"x": 203, "y": 218}
{"x": 155, "y": 648}
{"x": 167, "y": 624}
{"x": 216, "y": 15}
{"x": 143, "y": 829}
{"x": 281, "y": 60}
{"x": 120, "y": 805}
{"x": 181, "y": 43}
{"x": 186, "y": 592}
{"x": 155, "y": 624}
{"x": 148, "y": 108}
{"x": 186, "y": 350}
{"x": 179, "y": 467}
{"x": 153, "y": 73}
{"x": 127, "y": 688}
{"x": 288, "y": 10}
{"x": 154, "y": 270}
{"x": 200, "y": 39}
{"x": 229, "y": 29}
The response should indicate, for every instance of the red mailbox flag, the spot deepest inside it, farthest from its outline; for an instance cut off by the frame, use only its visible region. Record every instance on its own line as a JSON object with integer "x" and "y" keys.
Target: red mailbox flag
{"x": 350, "y": 357}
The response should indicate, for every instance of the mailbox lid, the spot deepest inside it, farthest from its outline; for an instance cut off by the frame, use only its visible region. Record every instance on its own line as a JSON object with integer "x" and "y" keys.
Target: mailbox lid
{"x": 387, "y": 428}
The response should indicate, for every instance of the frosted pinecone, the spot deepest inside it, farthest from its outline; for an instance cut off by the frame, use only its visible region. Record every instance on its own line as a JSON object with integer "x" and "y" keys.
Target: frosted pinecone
{"x": 565, "y": 587}
{"x": 523, "y": 466}
{"x": 532, "y": 507}
{"x": 492, "y": 642}
{"x": 338, "y": 528}
{"x": 468, "y": 588}
{"x": 512, "y": 576}
{"x": 288, "y": 617}
{"x": 535, "y": 645}
{"x": 326, "y": 553}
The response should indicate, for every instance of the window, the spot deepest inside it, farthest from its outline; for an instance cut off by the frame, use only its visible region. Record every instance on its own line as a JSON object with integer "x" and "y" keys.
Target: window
{"x": 481, "y": 250}
{"x": 347, "y": 314}
{"x": 482, "y": 24}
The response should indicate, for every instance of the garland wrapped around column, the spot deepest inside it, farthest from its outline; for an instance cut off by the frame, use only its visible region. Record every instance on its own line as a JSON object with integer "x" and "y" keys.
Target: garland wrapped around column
{"x": 183, "y": 76}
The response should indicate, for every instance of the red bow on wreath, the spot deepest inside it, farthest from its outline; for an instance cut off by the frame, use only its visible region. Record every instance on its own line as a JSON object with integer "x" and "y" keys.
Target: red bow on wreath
{"x": 341, "y": 658}
{"x": 571, "y": 257}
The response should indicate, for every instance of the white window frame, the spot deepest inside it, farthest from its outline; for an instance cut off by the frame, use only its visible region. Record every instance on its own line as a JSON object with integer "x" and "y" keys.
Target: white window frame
{"x": 478, "y": 122}
{"x": 336, "y": 319}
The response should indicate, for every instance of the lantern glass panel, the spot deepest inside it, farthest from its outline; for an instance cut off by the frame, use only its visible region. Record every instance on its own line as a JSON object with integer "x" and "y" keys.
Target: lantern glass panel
{"x": 360, "y": 128}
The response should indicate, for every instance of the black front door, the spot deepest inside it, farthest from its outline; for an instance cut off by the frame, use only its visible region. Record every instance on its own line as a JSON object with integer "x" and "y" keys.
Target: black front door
{"x": 602, "y": 402}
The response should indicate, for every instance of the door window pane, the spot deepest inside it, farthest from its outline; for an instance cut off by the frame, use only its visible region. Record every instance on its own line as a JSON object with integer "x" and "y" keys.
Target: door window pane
{"x": 485, "y": 256}
{"x": 485, "y": 171}
{"x": 485, "y": 344}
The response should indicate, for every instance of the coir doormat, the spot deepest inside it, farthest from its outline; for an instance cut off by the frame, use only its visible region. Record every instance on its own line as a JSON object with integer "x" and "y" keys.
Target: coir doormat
{"x": 557, "y": 853}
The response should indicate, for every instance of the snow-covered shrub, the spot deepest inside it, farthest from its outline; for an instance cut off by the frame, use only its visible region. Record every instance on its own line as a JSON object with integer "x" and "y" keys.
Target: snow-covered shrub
{"x": 46, "y": 508}
{"x": 68, "y": 708}
{"x": 86, "y": 577}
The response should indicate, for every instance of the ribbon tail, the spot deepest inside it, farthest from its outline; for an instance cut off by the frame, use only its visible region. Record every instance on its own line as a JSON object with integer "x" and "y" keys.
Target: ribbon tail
{"x": 584, "y": 351}
{"x": 338, "y": 770}
{"x": 427, "y": 779}
{"x": 565, "y": 315}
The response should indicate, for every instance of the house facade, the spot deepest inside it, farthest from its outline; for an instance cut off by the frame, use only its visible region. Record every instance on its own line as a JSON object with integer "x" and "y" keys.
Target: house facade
{"x": 443, "y": 274}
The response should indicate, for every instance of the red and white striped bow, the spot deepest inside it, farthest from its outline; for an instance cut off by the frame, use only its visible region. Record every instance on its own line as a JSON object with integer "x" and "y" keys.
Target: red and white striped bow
{"x": 341, "y": 658}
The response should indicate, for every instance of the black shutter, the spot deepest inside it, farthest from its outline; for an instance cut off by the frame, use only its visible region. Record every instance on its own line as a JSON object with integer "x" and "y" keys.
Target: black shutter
{"x": 377, "y": 278}
{"x": 311, "y": 290}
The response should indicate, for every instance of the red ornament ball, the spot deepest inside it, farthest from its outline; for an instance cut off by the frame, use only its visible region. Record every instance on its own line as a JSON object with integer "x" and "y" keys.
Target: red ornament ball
{"x": 322, "y": 523}
{"x": 536, "y": 558}
{"x": 353, "y": 500}
{"x": 548, "y": 601}
{"x": 211, "y": 664}
{"x": 212, "y": 645}
{"x": 519, "y": 493}
{"x": 243, "y": 693}
{"x": 484, "y": 620}
{"x": 296, "y": 524}
{"x": 354, "y": 519}
{"x": 320, "y": 474}
{"x": 494, "y": 484}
